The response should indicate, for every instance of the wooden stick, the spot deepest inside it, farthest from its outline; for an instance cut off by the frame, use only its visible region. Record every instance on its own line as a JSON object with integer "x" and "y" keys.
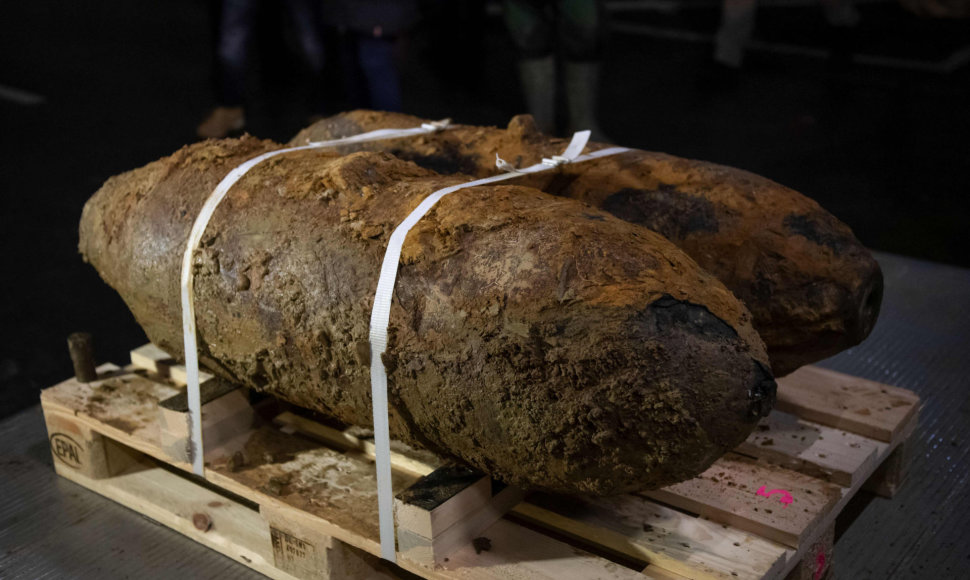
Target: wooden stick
{"x": 81, "y": 347}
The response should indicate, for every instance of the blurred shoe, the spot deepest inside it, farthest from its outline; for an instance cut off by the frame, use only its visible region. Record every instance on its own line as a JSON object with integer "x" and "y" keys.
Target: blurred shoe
{"x": 538, "y": 78}
{"x": 220, "y": 122}
{"x": 582, "y": 98}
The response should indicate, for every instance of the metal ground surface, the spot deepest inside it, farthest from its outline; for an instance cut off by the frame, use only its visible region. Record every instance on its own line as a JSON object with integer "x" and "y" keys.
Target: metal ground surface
{"x": 52, "y": 528}
{"x": 921, "y": 343}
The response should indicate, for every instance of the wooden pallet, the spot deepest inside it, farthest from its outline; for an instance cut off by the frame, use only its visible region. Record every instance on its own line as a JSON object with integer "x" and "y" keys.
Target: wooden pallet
{"x": 292, "y": 497}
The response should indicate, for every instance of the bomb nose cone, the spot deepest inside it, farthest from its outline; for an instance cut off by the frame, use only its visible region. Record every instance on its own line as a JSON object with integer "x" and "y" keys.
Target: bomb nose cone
{"x": 762, "y": 394}
{"x": 868, "y": 305}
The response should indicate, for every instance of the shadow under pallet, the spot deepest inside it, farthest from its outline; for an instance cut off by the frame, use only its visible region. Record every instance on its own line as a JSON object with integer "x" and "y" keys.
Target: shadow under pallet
{"x": 295, "y": 497}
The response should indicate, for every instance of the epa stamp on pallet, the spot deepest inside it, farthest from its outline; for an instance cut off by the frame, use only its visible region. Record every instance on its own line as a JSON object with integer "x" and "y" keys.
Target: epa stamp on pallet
{"x": 293, "y": 495}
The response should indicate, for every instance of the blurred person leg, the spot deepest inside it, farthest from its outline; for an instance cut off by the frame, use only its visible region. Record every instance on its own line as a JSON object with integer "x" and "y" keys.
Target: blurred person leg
{"x": 308, "y": 27}
{"x": 737, "y": 26}
{"x": 235, "y": 30}
{"x": 373, "y": 32}
{"x": 375, "y": 54}
{"x": 531, "y": 24}
{"x": 581, "y": 40}
{"x": 351, "y": 76}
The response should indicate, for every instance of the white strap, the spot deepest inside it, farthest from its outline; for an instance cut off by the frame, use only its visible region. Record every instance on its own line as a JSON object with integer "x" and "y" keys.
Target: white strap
{"x": 381, "y": 313}
{"x": 195, "y": 236}
{"x": 379, "y": 134}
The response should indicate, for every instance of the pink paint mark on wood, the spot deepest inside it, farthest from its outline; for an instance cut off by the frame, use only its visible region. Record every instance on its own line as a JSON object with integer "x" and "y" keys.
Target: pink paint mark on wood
{"x": 819, "y": 564}
{"x": 786, "y": 498}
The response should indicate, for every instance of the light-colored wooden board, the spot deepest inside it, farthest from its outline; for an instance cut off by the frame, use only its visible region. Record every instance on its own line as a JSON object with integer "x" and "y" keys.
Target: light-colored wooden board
{"x": 226, "y": 423}
{"x": 664, "y": 537}
{"x": 728, "y": 493}
{"x": 517, "y": 553}
{"x": 414, "y": 461}
{"x": 83, "y": 450}
{"x": 236, "y": 531}
{"x": 842, "y": 401}
{"x": 294, "y": 473}
{"x": 301, "y": 549}
{"x": 152, "y": 359}
{"x": 122, "y": 406}
{"x": 429, "y": 521}
{"x": 180, "y": 376}
{"x": 442, "y": 544}
{"x": 155, "y": 360}
{"x": 824, "y": 452}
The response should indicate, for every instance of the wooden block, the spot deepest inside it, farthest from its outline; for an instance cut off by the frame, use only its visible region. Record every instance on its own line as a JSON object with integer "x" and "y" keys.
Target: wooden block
{"x": 152, "y": 359}
{"x": 845, "y": 402}
{"x": 76, "y": 448}
{"x": 180, "y": 376}
{"x": 227, "y": 419}
{"x": 155, "y": 360}
{"x": 403, "y": 458}
{"x": 732, "y": 491}
{"x": 512, "y": 552}
{"x": 666, "y": 538}
{"x": 436, "y": 501}
{"x": 447, "y": 509}
{"x": 305, "y": 551}
{"x": 121, "y": 405}
{"x": 891, "y": 475}
{"x": 831, "y": 454}
{"x": 817, "y": 560}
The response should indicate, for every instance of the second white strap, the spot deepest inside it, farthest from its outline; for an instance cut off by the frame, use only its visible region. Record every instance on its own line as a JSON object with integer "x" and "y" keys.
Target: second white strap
{"x": 380, "y": 319}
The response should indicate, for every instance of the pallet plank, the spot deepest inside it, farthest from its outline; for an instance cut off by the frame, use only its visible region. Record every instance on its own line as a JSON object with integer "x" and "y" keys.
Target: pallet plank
{"x": 437, "y": 547}
{"x": 152, "y": 359}
{"x": 511, "y": 552}
{"x": 173, "y": 501}
{"x": 728, "y": 493}
{"x": 122, "y": 406}
{"x": 842, "y": 401}
{"x": 440, "y": 499}
{"x": 302, "y": 549}
{"x": 414, "y": 461}
{"x": 517, "y": 553}
{"x": 295, "y": 473}
{"x": 664, "y": 537}
{"x": 156, "y": 361}
{"x": 810, "y": 448}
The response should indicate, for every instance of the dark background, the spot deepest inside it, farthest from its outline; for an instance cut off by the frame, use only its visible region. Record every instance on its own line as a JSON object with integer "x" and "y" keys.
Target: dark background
{"x": 880, "y": 141}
